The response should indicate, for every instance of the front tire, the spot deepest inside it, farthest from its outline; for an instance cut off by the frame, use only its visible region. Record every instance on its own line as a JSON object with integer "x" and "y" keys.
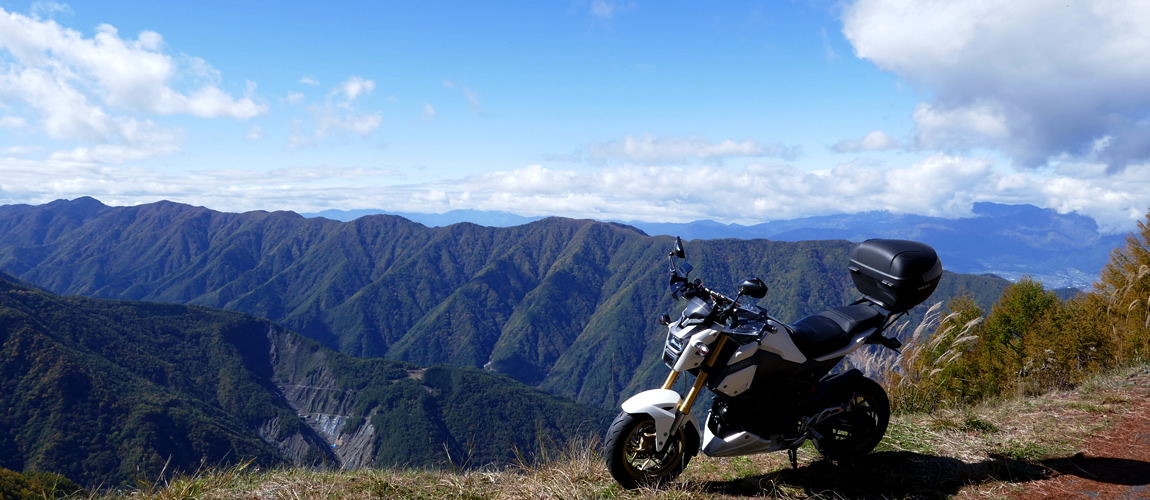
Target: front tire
{"x": 856, "y": 432}
{"x": 632, "y": 455}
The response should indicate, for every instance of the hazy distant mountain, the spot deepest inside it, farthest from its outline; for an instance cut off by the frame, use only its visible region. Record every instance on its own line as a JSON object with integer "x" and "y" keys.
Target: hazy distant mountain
{"x": 1008, "y": 240}
{"x": 567, "y": 305}
{"x": 105, "y": 392}
{"x": 1061, "y": 250}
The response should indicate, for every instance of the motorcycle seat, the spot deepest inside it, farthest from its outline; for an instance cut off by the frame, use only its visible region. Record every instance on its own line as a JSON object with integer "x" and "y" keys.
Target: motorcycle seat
{"x": 832, "y": 329}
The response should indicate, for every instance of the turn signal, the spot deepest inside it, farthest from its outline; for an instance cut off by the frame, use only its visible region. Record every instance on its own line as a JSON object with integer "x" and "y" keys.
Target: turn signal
{"x": 702, "y": 348}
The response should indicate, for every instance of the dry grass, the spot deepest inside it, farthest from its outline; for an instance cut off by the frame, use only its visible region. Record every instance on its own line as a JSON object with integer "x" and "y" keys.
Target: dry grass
{"x": 982, "y": 451}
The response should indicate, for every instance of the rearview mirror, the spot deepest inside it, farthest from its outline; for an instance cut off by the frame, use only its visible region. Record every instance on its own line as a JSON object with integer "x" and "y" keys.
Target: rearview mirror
{"x": 678, "y": 251}
{"x": 753, "y": 287}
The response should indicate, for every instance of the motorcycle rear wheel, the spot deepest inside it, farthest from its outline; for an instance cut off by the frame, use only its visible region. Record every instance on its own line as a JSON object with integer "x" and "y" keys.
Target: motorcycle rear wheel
{"x": 856, "y": 432}
{"x": 633, "y": 457}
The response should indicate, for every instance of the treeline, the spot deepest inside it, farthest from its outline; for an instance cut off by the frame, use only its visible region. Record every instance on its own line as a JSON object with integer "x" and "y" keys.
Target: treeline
{"x": 1030, "y": 341}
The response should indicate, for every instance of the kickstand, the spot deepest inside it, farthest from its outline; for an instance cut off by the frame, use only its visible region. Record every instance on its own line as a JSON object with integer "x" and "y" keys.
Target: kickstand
{"x": 794, "y": 455}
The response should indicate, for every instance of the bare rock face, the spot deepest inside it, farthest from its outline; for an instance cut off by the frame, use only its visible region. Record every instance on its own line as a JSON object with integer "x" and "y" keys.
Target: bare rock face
{"x": 304, "y": 379}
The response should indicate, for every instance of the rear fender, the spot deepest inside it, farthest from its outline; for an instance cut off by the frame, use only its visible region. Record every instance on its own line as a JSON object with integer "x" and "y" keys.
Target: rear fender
{"x": 662, "y": 405}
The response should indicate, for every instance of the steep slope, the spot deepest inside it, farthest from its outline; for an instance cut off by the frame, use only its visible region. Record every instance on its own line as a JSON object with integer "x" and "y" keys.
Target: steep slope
{"x": 568, "y": 305}
{"x": 106, "y": 391}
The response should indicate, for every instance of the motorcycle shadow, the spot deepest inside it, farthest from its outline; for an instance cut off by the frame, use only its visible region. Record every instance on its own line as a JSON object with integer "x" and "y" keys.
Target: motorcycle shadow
{"x": 1120, "y": 471}
{"x": 889, "y": 474}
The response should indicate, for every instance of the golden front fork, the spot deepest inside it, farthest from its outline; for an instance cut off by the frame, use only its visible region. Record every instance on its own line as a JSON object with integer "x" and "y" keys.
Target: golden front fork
{"x": 685, "y": 406}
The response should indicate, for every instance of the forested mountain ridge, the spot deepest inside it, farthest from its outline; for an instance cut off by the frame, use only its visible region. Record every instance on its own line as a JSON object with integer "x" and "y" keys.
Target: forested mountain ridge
{"x": 107, "y": 391}
{"x": 1060, "y": 250}
{"x": 568, "y": 305}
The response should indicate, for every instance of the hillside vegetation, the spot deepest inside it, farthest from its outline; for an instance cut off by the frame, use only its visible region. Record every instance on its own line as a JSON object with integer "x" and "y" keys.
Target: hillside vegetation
{"x": 1029, "y": 341}
{"x": 106, "y": 391}
{"x": 569, "y": 306}
{"x": 113, "y": 391}
{"x": 996, "y": 449}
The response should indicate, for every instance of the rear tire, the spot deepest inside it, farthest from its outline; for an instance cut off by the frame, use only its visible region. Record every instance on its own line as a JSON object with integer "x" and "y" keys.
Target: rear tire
{"x": 632, "y": 455}
{"x": 856, "y": 432}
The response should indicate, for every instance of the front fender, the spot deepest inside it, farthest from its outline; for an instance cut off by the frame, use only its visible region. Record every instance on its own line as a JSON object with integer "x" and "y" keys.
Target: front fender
{"x": 662, "y": 405}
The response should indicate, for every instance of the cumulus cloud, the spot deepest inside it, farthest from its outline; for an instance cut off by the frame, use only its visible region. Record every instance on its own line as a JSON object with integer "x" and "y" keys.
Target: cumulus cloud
{"x": 471, "y": 96}
{"x": 1032, "y": 79}
{"x": 473, "y": 100}
{"x": 126, "y": 74}
{"x": 608, "y": 9}
{"x": 874, "y": 141}
{"x": 94, "y": 90}
{"x": 353, "y": 87}
{"x": 11, "y": 122}
{"x": 49, "y": 9}
{"x": 341, "y": 112}
{"x": 677, "y": 150}
{"x": 307, "y": 80}
{"x": 941, "y": 185}
{"x": 130, "y": 139}
{"x": 20, "y": 150}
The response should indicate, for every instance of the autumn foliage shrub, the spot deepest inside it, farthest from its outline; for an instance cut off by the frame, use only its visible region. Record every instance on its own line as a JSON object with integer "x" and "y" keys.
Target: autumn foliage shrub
{"x": 1031, "y": 341}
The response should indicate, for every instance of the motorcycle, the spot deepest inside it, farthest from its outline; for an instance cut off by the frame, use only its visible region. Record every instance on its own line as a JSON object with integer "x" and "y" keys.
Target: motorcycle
{"x": 772, "y": 382}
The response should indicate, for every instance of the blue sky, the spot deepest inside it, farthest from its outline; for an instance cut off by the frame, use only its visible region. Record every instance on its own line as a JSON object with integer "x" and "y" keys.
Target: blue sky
{"x": 610, "y": 109}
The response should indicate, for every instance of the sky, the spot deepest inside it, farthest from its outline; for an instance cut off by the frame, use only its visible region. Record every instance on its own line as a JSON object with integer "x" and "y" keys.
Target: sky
{"x": 671, "y": 111}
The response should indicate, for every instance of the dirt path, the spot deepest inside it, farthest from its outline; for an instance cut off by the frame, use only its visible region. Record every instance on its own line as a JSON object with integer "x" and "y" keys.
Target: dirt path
{"x": 1115, "y": 464}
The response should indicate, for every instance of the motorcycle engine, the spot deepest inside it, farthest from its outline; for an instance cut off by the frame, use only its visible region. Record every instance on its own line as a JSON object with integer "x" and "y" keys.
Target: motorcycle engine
{"x": 762, "y": 416}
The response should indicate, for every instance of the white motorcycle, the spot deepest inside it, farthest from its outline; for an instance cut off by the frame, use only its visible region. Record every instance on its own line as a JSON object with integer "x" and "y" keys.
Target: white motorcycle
{"x": 770, "y": 380}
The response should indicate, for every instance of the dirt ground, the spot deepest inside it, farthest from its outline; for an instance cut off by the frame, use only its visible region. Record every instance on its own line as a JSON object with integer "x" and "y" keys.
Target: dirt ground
{"x": 1114, "y": 464}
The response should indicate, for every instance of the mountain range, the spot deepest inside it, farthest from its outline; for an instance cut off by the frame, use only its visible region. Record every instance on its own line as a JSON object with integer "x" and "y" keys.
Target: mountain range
{"x": 569, "y": 306}
{"x": 1060, "y": 250}
{"x": 111, "y": 391}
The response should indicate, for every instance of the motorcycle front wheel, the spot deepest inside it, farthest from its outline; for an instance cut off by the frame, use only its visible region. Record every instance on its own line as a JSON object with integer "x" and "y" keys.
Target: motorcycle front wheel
{"x": 857, "y": 431}
{"x": 633, "y": 457}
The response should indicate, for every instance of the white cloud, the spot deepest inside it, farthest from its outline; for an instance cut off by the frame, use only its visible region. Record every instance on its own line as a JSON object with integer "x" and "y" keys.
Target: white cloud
{"x": 473, "y": 101}
{"x": 602, "y": 8}
{"x": 608, "y": 9}
{"x": 112, "y": 153}
{"x": 12, "y": 122}
{"x": 339, "y": 113}
{"x": 677, "y": 150}
{"x": 471, "y": 96}
{"x": 1033, "y": 79}
{"x": 353, "y": 87}
{"x": 827, "y": 48}
{"x": 130, "y": 139}
{"x": 428, "y": 113}
{"x": 92, "y": 93}
{"x": 294, "y": 97}
{"x": 125, "y": 74}
{"x": 20, "y": 150}
{"x": 361, "y": 124}
{"x": 941, "y": 185}
{"x": 874, "y": 141}
{"x": 307, "y": 80}
{"x": 49, "y": 9}
{"x": 255, "y": 133}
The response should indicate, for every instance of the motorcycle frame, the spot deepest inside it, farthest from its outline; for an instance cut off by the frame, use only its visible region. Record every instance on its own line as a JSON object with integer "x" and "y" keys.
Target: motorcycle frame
{"x": 672, "y": 412}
